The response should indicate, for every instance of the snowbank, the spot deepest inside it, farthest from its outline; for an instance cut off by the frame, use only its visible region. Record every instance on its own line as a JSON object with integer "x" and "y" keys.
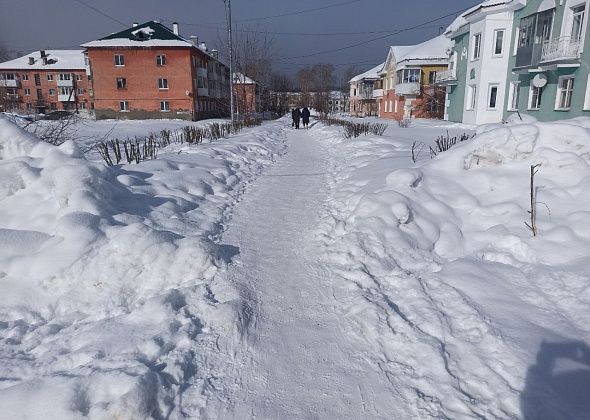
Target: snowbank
{"x": 107, "y": 274}
{"x": 474, "y": 316}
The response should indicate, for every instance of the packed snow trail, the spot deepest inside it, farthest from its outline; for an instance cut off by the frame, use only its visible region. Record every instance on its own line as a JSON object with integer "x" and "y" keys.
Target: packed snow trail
{"x": 297, "y": 357}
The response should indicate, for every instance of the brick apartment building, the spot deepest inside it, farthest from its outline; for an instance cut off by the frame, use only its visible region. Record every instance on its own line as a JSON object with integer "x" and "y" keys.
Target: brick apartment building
{"x": 246, "y": 94}
{"x": 150, "y": 71}
{"x": 45, "y": 81}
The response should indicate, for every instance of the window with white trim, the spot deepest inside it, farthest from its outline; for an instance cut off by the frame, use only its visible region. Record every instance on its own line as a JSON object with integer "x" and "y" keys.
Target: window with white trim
{"x": 390, "y": 105}
{"x": 395, "y": 105}
{"x": 476, "y": 48}
{"x": 49, "y": 77}
{"x": 578, "y": 14}
{"x": 27, "y": 92}
{"x": 493, "y": 96}
{"x": 565, "y": 89}
{"x": 79, "y": 77}
{"x": 162, "y": 83}
{"x": 121, "y": 83}
{"x": 513, "y": 96}
{"x": 472, "y": 98}
{"x": 587, "y": 96}
{"x": 51, "y": 92}
{"x": 123, "y": 106}
{"x": 408, "y": 76}
{"x": 65, "y": 76}
{"x": 498, "y": 41}
{"x": 164, "y": 106}
{"x": 535, "y": 95}
{"x": 25, "y": 77}
{"x": 160, "y": 60}
{"x": 119, "y": 60}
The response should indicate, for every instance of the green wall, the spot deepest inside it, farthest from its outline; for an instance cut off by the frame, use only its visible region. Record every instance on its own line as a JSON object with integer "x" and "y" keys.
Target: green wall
{"x": 457, "y": 92}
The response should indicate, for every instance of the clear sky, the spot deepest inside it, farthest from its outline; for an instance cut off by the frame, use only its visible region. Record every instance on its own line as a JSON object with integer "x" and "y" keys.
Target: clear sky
{"x": 27, "y": 25}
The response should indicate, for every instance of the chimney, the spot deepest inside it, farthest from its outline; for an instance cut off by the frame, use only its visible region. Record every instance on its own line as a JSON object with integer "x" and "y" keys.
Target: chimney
{"x": 45, "y": 60}
{"x": 215, "y": 54}
{"x": 194, "y": 40}
{"x": 43, "y": 53}
{"x": 31, "y": 61}
{"x": 135, "y": 24}
{"x": 203, "y": 46}
{"x": 175, "y": 28}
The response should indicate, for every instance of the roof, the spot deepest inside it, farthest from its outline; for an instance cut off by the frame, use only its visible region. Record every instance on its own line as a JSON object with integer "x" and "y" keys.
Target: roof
{"x": 242, "y": 79}
{"x": 370, "y": 74}
{"x": 433, "y": 49}
{"x": 56, "y": 60}
{"x": 461, "y": 20}
{"x": 148, "y": 34}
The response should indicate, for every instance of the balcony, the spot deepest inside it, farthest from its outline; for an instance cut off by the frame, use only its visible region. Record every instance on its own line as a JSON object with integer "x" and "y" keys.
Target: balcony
{"x": 446, "y": 77}
{"x": 12, "y": 96}
{"x": 9, "y": 83}
{"x": 65, "y": 83}
{"x": 66, "y": 98}
{"x": 560, "y": 49}
{"x": 377, "y": 93}
{"x": 409, "y": 88}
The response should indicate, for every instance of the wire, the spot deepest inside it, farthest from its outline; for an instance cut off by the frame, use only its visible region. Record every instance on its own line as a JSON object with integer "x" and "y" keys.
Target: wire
{"x": 101, "y": 12}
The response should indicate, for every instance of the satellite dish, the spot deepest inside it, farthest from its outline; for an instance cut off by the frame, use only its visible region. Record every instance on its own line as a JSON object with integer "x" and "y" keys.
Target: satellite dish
{"x": 540, "y": 80}
{"x": 187, "y": 93}
{"x": 449, "y": 51}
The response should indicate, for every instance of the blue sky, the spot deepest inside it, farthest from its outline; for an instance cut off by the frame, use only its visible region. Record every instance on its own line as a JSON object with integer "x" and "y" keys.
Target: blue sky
{"x": 27, "y": 25}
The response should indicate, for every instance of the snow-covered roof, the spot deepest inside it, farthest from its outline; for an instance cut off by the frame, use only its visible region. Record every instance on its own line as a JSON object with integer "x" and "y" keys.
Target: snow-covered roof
{"x": 56, "y": 60}
{"x": 148, "y": 34}
{"x": 242, "y": 79}
{"x": 370, "y": 74}
{"x": 461, "y": 20}
{"x": 433, "y": 49}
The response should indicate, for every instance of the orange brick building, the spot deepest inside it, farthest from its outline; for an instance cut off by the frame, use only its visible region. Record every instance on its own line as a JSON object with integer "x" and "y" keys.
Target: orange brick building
{"x": 150, "y": 71}
{"x": 45, "y": 81}
{"x": 245, "y": 94}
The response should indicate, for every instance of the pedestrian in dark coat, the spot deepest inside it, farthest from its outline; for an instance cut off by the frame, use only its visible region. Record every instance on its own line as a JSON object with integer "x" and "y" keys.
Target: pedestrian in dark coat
{"x": 305, "y": 117}
{"x": 296, "y": 115}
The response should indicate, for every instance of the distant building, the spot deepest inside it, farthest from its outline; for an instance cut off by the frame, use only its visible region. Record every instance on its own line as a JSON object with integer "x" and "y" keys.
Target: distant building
{"x": 246, "y": 94}
{"x": 338, "y": 102}
{"x": 150, "y": 71}
{"x": 408, "y": 80}
{"x": 363, "y": 101}
{"x": 45, "y": 81}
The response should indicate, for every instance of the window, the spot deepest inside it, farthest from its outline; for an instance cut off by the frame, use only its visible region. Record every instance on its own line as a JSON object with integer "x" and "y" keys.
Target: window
{"x": 565, "y": 89}
{"x": 516, "y": 39}
{"x": 408, "y": 76}
{"x": 162, "y": 83}
{"x": 123, "y": 106}
{"x": 51, "y": 92}
{"x": 472, "y": 97}
{"x": 160, "y": 60}
{"x": 49, "y": 77}
{"x": 80, "y": 91}
{"x": 119, "y": 60}
{"x": 65, "y": 90}
{"x": 535, "y": 97}
{"x": 78, "y": 77}
{"x": 82, "y": 105}
{"x": 476, "y": 47}
{"x": 513, "y": 96}
{"x": 578, "y": 22}
{"x": 121, "y": 83}
{"x": 164, "y": 106}
{"x": 395, "y": 106}
{"x": 498, "y": 41}
{"x": 53, "y": 106}
{"x": 25, "y": 77}
{"x": 65, "y": 76}
{"x": 587, "y": 97}
{"x": 29, "y": 106}
{"x": 432, "y": 78}
{"x": 27, "y": 92}
{"x": 493, "y": 97}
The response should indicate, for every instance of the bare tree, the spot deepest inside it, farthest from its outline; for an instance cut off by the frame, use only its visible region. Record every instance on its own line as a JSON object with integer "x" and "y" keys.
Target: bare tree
{"x": 280, "y": 86}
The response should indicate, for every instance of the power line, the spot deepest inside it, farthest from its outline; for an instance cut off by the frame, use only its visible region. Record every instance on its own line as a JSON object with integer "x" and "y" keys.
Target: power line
{"x": 377, "y": 38}
{"x": 101, "y": 12}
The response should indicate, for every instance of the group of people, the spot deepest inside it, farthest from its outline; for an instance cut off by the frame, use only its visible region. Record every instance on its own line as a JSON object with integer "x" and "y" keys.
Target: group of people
{"x": 298, "y": 115}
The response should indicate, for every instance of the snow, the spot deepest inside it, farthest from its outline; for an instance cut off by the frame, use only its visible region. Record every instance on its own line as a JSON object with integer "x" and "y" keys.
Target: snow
{"x": 146, "y": 31}
{"x": 461, "y": 20}
{"x": 125, "y": 42}
{"x": 369, "y": 74}
{"x": 287, "y": 273}
{"x": 433, "y": 49}
{"x": 57, "y": 60}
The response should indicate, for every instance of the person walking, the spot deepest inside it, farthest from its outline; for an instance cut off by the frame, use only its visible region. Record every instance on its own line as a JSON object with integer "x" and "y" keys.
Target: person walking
{"x": 296, "y": 115}
{"x": 305, "y": 117}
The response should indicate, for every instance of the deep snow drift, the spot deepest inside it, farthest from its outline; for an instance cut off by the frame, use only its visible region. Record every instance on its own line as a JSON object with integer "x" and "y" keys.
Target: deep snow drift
{"x": 473, "y": 316}
{"x": 107, "y": 274}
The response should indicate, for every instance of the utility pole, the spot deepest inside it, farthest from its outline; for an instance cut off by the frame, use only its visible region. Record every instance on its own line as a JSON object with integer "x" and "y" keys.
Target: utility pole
{"x": 231, "y": 60}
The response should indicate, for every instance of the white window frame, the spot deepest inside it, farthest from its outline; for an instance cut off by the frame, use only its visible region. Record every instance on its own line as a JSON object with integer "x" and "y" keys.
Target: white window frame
{"x": 123, "y": 106}
{"x": 539, "y": 101}
{"x": 65, "y": 76}
{"x": 50, "y": 77}
{"x": 122, "y": 84}
{"x": 161, "y": 60}
{"x": 395, "y": 105}
{"x": 581, "y": 30}
{"x": 476, "y": 47}
{"x": 164, "y": 106}
{"x": 51, "y": 92}
{"x": 471, "y": 98}
{"x": 119, "y": 60}
{"x": 79, "y": 77}
{"x": 25, "y": 77}
{"x": 490, "y": 87}
{"x": 496, "y": 33}
{"x": 568, "y": 90}
{"x": 80, "y": 91}
{"x": 587, "y": 96}
{"x": 27, "y": 92}
{"x": 513, "y": 95}
{"x": 163, "y": 83}
{"x": 516, "y": 40}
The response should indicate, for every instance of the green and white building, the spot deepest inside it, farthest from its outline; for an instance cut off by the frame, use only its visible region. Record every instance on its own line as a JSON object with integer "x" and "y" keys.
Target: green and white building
{"x": 528, "y": 56}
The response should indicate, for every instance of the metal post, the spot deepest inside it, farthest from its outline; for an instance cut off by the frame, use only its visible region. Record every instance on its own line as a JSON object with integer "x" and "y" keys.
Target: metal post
{"x": 231, "y": 61}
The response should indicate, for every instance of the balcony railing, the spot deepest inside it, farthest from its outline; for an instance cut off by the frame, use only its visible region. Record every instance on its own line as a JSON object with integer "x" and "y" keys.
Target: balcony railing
{"x": 377, "y": 93}
{"x": 410, "y": 88}
{"x": 66, "y": 98}
{"x": 65, "y": 83}
{"x": 446, "y": 76}
{"x": 8, "y": 83}
{"x": 564, "y": 48}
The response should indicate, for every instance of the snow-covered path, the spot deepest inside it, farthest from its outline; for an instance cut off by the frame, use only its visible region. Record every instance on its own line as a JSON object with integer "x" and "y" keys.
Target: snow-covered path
{"x": 298, "y": 358}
